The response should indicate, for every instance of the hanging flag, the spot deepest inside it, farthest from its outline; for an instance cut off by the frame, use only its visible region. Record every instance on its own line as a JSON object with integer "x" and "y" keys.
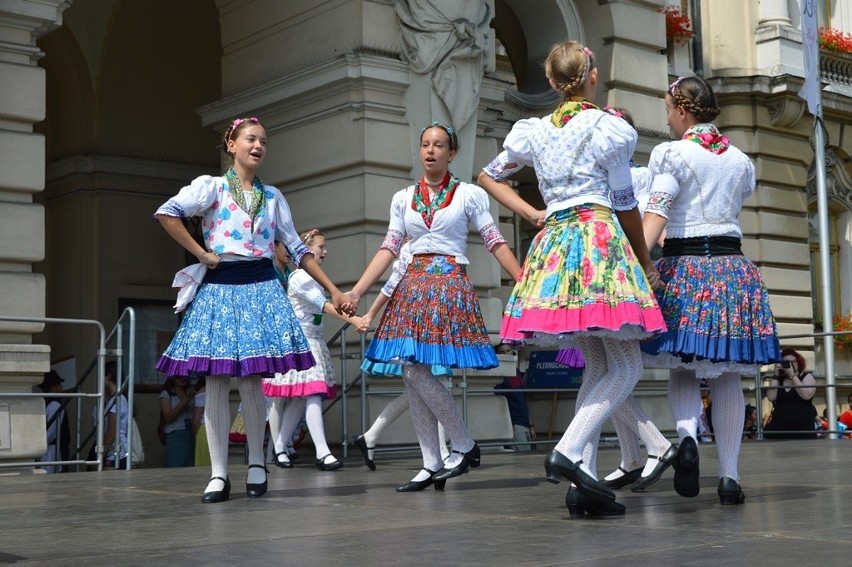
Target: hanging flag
{"x": 810, "y": 50}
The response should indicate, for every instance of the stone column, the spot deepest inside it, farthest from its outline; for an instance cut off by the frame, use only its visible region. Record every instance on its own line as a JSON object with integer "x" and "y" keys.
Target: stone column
{"x": 22, "y": 159}
{"x": 773, "y": 12}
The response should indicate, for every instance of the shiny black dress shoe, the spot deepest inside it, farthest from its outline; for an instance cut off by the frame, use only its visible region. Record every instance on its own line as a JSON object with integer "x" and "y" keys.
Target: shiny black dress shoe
{"x": 328, "y": 466}
{"x": 418, "y": 485}
{"x": 469, "y": 460}
{"x": 361, "y": 443}
{"x": 288, "y": 464}
{"x": 579, "y": 505}
{"x": 557, "y": 465}
{"x": 663, "y": 462}
{"x": 217, "y": 495}
{"x": 628, "y": 477}
{"x": 257, "y": 490}
{"x": 686, "y": 474}
{"x": 730, "y": 492}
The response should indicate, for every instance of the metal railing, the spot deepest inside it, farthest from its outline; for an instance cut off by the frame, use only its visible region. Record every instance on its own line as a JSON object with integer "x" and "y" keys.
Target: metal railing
{"x": 466, "y": 390}
{"x": 128, "y": 317}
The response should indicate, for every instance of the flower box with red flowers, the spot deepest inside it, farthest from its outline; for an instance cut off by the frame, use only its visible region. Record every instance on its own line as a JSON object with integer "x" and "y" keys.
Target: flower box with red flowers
{"x": 678, "y": 25}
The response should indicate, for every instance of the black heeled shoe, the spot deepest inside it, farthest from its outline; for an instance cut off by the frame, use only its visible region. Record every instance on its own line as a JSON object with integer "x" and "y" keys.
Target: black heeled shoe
{"x": 629, "y": 477}
{"x": 663, "y": 462}
{"x": 217, "y": 495}
{"x": 687, "y": 474}
{"x": 257, "y": 490}
{"x": 288, "y": 464}
{"x": 471, "y": 459}
{"x": 361, "y": 443}
{"x": 579, "y": 506}
{"x": 730, "y": 492}
{"x": 418, "y": 485}
{"x": 332, "y": 466}
{"x": 557, "y": 465}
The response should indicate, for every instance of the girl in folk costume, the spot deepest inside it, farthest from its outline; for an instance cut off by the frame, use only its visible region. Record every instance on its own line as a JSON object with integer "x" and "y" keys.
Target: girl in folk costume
{"x": 713, "y": 298}
{"x": 631, "y": 423}
{"x": 433, "y": 316}
{"x": 586, "y": 282}
{"x": 306, "y": 389}
{"x": 240, "y": 323}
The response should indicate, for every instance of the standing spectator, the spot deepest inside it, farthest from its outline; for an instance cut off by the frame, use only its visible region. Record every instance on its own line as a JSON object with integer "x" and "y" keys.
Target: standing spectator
{"x": 116, "y": 412}
{"x": 177, "y": 411}
{"x": 202, "y": 451}
{"x": 791, "y": 392}
{"x": 58, "y": 433}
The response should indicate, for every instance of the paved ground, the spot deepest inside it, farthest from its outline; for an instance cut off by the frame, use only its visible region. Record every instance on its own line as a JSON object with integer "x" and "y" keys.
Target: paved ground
{"x": 798, "y": 511}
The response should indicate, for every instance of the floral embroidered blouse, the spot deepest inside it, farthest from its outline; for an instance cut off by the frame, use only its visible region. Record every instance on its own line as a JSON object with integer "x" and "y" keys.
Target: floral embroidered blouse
{"x": 227, "y": 229}
{"x": 448, "y": 233}
{"x": 585, "y": 161}
{"x": 708, "y": 191}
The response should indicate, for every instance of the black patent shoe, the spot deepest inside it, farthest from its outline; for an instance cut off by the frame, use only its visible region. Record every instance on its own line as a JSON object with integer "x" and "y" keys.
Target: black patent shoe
{"x": 332, "y": 465}
{"x": 730, "y": 492}
{"x": 686, "y": 474}
{"x": 579, "y": 505}
{"x": 557, "y": 466}
{"x": 627, "y": 477}
{"x": 418, "y": 485}
{"x": 257, "y": 490}
{"x": 663, "y": 462}
{"x": 288, "y": 464}
{"x": 361, "y": 443}
{"x": 469, "y": 460}
{"x": 217, "y": 495}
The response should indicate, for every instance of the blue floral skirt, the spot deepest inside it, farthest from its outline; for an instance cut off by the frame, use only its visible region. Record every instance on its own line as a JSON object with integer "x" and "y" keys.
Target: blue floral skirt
{"x": 238, "y": 330}
{"x": 433, "y": 318}
{"x": 717, "y": 314}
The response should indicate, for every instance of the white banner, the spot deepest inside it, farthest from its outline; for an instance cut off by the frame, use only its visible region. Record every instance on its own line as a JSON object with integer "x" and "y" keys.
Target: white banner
{"x": 810, "y": 50}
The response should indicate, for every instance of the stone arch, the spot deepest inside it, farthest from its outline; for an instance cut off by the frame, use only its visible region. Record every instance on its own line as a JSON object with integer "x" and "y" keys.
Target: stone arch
{"x": 527, "y": 36}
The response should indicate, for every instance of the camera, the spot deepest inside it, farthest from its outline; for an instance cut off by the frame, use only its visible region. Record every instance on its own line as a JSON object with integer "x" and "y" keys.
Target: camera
{"x": 786, "y": 364}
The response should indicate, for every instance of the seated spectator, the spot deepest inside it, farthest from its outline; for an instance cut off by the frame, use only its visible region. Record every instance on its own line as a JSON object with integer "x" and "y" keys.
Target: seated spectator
{"x": 58, "y": 433}
{"x": 524, "y": 430}
{"x": 791, "y": 391}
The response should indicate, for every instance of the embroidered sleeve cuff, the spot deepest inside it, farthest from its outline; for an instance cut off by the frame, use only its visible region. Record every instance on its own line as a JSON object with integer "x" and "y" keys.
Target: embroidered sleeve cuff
{"x": 393, "y": 241}
{"x": 623, "y": 199}
{"x": 501, "y": 168}
{"x": 298, "y": 251}
{"x": 491, "y": 235}
{"x": 659, "y": 203}
{"x": 171, "y": 208}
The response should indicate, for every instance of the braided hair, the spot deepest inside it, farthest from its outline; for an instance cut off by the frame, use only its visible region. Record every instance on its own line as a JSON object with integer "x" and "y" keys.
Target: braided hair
{"x": 694, "y": 95}
{"x": 568, "y": 65}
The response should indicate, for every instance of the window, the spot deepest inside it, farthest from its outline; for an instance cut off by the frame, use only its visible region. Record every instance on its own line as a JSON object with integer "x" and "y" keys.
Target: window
{"x": 156, "y": 324}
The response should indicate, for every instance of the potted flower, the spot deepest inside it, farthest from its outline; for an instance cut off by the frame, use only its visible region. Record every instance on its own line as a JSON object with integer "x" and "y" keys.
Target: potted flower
{"x": 678, "y": 26}
{"x": 843, "y": 323}
{"x": 831, "y": 39}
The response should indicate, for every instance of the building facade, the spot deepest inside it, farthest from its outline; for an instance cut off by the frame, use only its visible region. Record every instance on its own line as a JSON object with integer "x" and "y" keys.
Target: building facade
{"x": 112, "y": 105}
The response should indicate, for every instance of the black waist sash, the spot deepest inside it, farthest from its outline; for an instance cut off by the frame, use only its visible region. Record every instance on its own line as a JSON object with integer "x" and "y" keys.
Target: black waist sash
{"x": 702, "y": 246}
{"x": 240, "y": 273}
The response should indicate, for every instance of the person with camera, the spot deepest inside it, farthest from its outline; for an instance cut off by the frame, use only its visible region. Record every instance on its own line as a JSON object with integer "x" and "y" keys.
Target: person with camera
{"x": 791, "y": 392}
